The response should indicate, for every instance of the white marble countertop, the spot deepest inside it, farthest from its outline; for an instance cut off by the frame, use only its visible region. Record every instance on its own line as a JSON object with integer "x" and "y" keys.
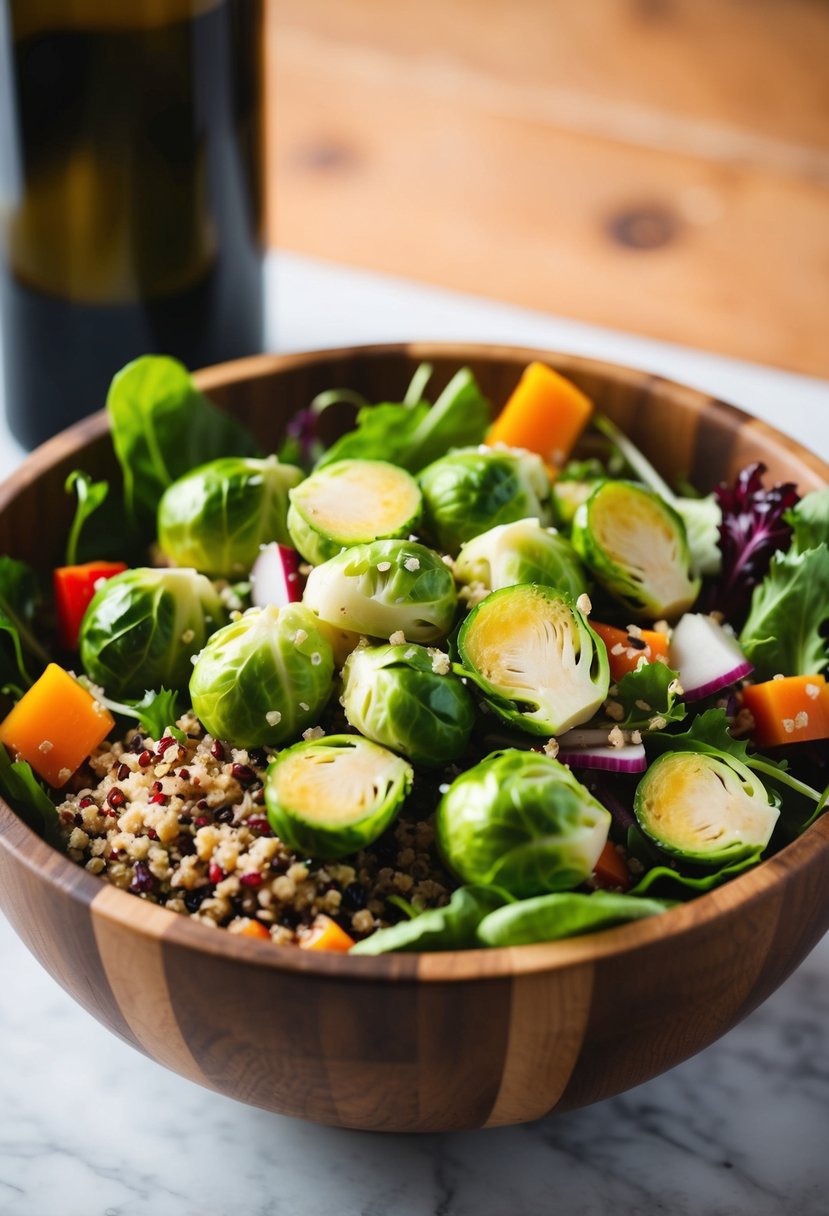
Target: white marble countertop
{"x": 88, "y": 1127}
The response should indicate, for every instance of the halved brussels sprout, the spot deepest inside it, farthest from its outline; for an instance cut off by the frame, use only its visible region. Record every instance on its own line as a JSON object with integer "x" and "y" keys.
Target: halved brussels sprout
{"x": 352, "y": 502}
{"x": 521, "y": 821}
{"x": 264, "y": 678}
{"x": 635, "y": 544}
{"x": 330, "y": 797}
{"x": 385, "y": 587}
{"x": 394, "y": 695}
{"x": 143, "y": 626}
{"x": 474, "y": 489}
{"x": 534, "y": 656}
{"x": 217, "y": 517}
{"x": 521, "y": 552}
{"x": 704, "y": 808}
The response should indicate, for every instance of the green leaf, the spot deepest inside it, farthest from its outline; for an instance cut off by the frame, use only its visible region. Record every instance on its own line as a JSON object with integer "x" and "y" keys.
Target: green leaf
{"x": 785, "y": 630}
{"x": 548, "y": 918}
{"x": 27, "y": 797}
{"x": 90, "y": 496}
{"x": 678, "y": 885}
{"x": 810, "y": 520}
{"x": 19, "y": 601}
{"x": 155, "y": 712}
{"x": 162, "y": 427}
{"x": 413, "y": 435}
{"x": 449, "y": 928}
{"x": 653, "y": 685}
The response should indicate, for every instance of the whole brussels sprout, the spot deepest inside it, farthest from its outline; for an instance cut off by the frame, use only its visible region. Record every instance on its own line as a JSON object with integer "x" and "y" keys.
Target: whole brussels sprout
{"x": 264, "y": 678}
{"x": 143, "y": 626}
{"x": 394, "y": 695}
{"x": 218, "y": 516}
{"x": 521, "y": 552}
{"x": 352, "y": 502}
{"x": 705, "y": 808}
{"x": 522, "y": 822}
{"x": 534, "y": 656}
{"x": 636, "y": 546}
{"x": 330, "y": 797}
{"x": 385, "y": 587}
{"x": 474, "y": 489}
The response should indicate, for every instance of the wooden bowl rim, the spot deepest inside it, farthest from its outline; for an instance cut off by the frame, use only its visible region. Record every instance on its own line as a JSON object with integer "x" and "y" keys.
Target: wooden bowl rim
{"x": 155, "y": 922}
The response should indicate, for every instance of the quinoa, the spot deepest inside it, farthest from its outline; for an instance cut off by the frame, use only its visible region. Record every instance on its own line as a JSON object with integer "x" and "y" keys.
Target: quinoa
{"x": 184, "y": 825}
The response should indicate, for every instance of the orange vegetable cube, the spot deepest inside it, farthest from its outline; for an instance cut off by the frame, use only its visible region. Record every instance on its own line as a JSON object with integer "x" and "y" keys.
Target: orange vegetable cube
{"x": 624, "y": 650}
{"x": 545, "y": 414}
{"x": 610, "y": 870}
{"x": 253, "y": 928}
{"x": 326, "y": 934}
{"x": 792, "y": 710}
{"x": 55, "y": 726}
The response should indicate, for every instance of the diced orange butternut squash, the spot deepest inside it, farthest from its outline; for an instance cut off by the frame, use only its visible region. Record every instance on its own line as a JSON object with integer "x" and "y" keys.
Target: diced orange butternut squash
{"x": 790, "y": 710}
{"x": 610, "y": 870}
{"x": 624, "y": 650}
{"x": 55, "y": 726}
{"x": 326, "y": 934}
{"x": 545, "y": 414}
{"x": 253, "y": 928}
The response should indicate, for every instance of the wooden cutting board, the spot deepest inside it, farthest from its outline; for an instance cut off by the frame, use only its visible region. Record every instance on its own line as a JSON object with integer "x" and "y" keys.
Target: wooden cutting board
{"x": 659, "y": 166}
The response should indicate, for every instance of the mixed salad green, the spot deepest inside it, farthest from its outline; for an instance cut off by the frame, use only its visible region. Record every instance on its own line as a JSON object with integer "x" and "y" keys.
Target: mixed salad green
{"x": 615, "y": 688}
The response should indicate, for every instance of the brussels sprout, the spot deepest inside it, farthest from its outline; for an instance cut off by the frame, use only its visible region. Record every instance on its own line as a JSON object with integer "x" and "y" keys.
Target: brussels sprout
{"x": 536, "y": 659}
{"x": 635, "y": 544}
{"x": 474, "y": 489}
{"x": 143, "y": 626}
{"x": 704, "y": 808}
{"x": 330, "y": 797}
{"x": 385, "y": 587}
{"x": 521, "y": 821}
{"x": 217, "y": 517}
{"x": 264, "y": 678}
{"x": 521, "y": 552}
{"x": 352, "y": 502}
{"x": 393, "y": 695}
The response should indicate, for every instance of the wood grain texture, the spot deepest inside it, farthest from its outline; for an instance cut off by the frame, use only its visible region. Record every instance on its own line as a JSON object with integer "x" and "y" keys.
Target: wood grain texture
{"x": 418, "y": 1042}
{"x": 660, "y": 166}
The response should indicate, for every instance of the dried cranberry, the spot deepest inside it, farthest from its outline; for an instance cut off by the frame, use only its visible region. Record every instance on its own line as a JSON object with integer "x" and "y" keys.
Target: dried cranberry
{"x": 145, "y": 759}
{"x": 165, "y": 743}
{"x": 215, "y": 872}
{"x": 252, "y": 879}
{"x": 142, "y": 880}
{"x": 184, "y": 774}
{"x": 152, "y": 833}
{"x": 258, "y": 823}
{"x": 85, "y": 802}
{"x": 202, "y": 804}
{"x": 116, "y": 797}
{"x": 243, "y": 773}
{"x": 217, "y": 750}
{"x": 156, "y": 787}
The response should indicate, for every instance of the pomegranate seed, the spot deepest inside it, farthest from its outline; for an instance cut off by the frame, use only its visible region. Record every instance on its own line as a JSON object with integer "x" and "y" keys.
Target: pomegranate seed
{"x": 202, "y": 804}
{"x": 215, "y": 872}
{"x": 184, "y": 774}
{"x": 152, "y": 833}
{"x": 161, "y": 799}
{"x": 258, "y": 823}
{"x": 163, "y": 744}
{"x": 156, "y": 787}
{"x": 85, "y": 802}
{"x": 145, "y": 759}
{"x": 116, "y": 798}
{"x": 201, "y": 821}
{"x": 217, "y": 750}
{"x": 123, "y": 772}
{"x": 243, "y": 773}
{"x": 251, "y": 880}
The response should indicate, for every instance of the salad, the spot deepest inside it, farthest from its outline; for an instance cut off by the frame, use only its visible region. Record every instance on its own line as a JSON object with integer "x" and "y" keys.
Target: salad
{"x": 443, "y": 683}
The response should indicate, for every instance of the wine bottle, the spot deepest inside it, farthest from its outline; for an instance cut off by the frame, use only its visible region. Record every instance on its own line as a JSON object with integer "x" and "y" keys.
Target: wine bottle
{"x": 130, "y": 194}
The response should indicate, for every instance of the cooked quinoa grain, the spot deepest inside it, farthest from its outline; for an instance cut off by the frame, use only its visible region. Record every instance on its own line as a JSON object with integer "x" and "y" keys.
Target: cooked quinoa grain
{"x": 184, "y": 825}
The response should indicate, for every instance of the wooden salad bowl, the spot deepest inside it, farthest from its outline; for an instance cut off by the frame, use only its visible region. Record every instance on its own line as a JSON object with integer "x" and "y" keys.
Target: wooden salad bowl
{"x": 434, "y": 1041}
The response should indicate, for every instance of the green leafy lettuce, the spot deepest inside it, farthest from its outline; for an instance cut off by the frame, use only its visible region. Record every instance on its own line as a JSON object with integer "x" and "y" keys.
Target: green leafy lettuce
{"x": 449, "y": 928}
{"x": 648, "y": 693}
{"x": 786, "y": 627}
{"x": 27, "y": 797}
{"x": 810, "y": 520}
{"x": 19, "y": 602}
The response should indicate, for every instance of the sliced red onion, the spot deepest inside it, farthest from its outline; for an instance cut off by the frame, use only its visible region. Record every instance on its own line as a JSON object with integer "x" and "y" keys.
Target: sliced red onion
{"x": 275, "y": 577}
{"x": 627, "y": 759}
{"x": 706, "y": 656}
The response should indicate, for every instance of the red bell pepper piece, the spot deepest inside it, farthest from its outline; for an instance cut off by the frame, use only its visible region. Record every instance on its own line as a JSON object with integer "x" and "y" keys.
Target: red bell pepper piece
{"x": 74, "y": 588}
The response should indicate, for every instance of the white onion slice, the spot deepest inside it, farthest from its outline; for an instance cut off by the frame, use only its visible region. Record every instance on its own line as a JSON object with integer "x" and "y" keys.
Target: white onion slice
{"x": 275, "y": 577}
{"x": 705, "y": 655}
